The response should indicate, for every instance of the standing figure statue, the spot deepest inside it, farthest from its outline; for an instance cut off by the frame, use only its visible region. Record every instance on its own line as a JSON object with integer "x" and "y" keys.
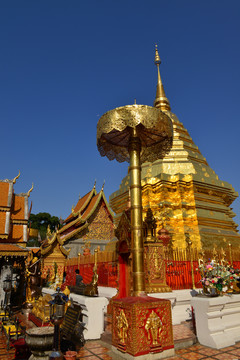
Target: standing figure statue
{"x": 33, "y": 277}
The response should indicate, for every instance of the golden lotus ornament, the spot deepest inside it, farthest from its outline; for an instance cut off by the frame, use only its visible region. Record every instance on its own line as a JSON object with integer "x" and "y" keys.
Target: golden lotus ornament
{"x": 136, "y": 134}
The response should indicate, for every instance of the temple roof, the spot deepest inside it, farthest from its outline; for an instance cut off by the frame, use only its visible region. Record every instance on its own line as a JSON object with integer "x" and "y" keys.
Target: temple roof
{"x": 14, "y": 212}
{"x": 77, "y": 221}
{"x": 12, "y": 250}
{"x": 81, "y": 205}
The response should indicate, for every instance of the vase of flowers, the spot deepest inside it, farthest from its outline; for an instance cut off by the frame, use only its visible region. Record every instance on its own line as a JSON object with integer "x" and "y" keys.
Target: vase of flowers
{"x": 218, "y": 279}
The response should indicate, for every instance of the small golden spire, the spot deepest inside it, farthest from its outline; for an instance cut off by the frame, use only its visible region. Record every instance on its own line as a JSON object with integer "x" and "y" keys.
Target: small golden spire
{"x": 14, "y": 180}
{"x": 161, "y": 101}
{"x": 28, "y": 193}
{"x": 103, "y": 185}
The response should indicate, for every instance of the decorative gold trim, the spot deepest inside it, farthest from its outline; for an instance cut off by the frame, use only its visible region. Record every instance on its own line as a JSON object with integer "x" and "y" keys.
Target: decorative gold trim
{"x": 14, "y": 180}
{"x": 13, "y": 253}
{"x": 3, "y": 236}
{"x": 29, "y": 191}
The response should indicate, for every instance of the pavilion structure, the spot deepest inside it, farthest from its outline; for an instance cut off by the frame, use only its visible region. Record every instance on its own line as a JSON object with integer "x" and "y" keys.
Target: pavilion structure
{"x": 14, "y": 214}
{"x": 183, "y": 191}
{"x": 90, "y": 222}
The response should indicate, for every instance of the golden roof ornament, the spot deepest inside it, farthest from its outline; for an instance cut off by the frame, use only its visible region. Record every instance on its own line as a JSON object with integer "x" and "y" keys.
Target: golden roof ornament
{"x": 103, "y": 185}
{"x": 14, "y": 180}
{"x": 30, "y": 190}
{"x": 161, "y": 101}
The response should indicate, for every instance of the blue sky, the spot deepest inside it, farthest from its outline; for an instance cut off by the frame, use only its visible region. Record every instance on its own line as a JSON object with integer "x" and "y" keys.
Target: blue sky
{"x": 65, "y": 63}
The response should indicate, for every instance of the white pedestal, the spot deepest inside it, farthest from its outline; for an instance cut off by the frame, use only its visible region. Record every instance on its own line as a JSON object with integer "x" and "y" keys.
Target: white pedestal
{"x": 93, "y": 313}
{"x": 217, "y": 320}
{"x": 107, "y": 292}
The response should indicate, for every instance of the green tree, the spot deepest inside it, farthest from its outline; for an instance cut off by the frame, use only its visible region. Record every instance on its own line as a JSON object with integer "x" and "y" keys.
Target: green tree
{"x": 41, "y": 221}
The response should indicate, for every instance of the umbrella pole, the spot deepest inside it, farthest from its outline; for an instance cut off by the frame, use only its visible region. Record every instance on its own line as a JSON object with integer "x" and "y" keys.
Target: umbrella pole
{"x": 136, "y": 214}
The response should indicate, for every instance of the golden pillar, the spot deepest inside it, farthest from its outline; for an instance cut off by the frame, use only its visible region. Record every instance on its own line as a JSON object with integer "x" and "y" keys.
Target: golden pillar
{"x": 136, "y": 214}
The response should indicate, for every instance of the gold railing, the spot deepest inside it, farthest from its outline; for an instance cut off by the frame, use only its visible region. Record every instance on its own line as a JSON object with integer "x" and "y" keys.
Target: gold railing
{"x": 170, "y": 254}
{"x": 102, "y": 256}
{"x": 184, "y": 254}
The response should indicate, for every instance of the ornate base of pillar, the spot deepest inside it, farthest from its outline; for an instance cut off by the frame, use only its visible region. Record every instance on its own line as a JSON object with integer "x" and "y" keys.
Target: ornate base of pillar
{"x": 157, "y": 288}
{"x": 142, "y": 326}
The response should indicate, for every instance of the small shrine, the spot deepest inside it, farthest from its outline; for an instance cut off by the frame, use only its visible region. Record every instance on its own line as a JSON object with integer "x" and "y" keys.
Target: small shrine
{"x": 155, "y": 276}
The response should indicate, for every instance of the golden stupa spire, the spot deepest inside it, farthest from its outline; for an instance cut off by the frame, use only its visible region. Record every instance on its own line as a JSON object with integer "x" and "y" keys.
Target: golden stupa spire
{"x": 161, "y": 101}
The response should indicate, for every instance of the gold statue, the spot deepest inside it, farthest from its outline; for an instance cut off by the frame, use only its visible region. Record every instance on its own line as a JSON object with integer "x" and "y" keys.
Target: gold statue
{"x": 153, "y": 325}
{"x": 33, "y": 279}
{"x": 223, "y": 261}
{"x": 122, "y": 326}
{"x": 41, "y": 308}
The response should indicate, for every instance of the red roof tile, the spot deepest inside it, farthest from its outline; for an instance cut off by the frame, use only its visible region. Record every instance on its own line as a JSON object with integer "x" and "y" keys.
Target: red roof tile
{"x": 79, "y": 205}
{"x": 18, "y": 210}
{"x": 91, "y": 206}
{"x": 4, "y": 189}
{"x": 2, "y": 222}
{"x": 9, "y": 248}
{"x": 17, "y": 233}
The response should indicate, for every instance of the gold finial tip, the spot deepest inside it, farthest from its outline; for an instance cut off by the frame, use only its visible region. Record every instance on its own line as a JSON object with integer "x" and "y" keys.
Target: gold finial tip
{"x": 14, "y": 180}
{"x": 29, "y": 191}
{"x": 103, "y": 185}
{"x": 135, "y": 101}
{"x": 157, "y": 57}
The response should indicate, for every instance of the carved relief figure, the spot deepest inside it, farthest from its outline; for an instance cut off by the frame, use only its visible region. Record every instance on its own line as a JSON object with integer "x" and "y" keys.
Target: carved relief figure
{"x": 153, "y": 327}
{"x": 122, "y": 326}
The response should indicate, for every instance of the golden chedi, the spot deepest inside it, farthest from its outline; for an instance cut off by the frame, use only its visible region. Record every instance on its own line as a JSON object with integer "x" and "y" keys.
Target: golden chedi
{"x": 183, "y": 191}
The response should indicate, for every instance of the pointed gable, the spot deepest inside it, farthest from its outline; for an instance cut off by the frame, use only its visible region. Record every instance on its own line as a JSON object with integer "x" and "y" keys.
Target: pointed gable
{"x": 92, "y": 216}
{"x": 81, "y": 205}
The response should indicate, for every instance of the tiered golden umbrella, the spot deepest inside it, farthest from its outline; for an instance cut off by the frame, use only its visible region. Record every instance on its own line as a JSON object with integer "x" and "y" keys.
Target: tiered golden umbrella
{"x": 135, "y": 133}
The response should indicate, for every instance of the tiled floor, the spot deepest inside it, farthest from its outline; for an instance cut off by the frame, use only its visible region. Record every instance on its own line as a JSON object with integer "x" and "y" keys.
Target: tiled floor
{"x": 101, "y": 350}
{"x": 4, "y": 354}
{"x": 96, "y": 351}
